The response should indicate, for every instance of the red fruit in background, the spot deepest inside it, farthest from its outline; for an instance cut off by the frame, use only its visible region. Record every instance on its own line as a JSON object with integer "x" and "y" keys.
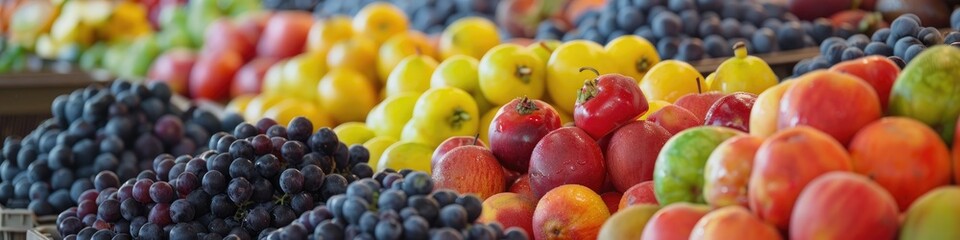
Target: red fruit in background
{"x": 812, "y": 9}
{"x": 173, "y": 67}
{"x": 249, "y": 78}
{"x": 451, "y": 143}
{"x": 251, "y": 25}
{"x": 674, "y": 119}
{"x": 510, "y": 210}
{"x": 732, "y": 111}
{"x": 675, "y": 221}
{"x": 728, "y": 171}
{"x": 470, "y": 169}
{"x": 877, "y": 71}
{"x": 844, "y": 205}
{"x": 285, "y": 34}
{"x": 698, "y": 103}
{"x": 835, "y": 103}
{"x": 517, "y": 128}
{"x": 212, "y": 75}
{"x": 733, "y": 222}
{"x": 632, "y": 153}
{"x": 566, "y": 156}
{"x": 522, "y": 186}
{"x": 223, "y": 34}
{"x": 612, "y": 199}
{"x": 905, "y": 156}
{"x": 785, "y": 163}
{"x": 608, "y": 102}
{"x": 641, "y": 193}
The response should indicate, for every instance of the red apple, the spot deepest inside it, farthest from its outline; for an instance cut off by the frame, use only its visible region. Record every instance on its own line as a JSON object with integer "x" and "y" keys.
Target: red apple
{"x": 251, "y": 25}
{"x": 173, "y": 67}
{"x": 569, "y": 212}
{"x": 223, "y": 34}
{"x": 522, "y": 186}
{"x": 733, "y": 222}
{"x": 510, "y": 210}
{"x": 698, "y": 103}
{"x": 641, "y": 193}
{"x": 285, "y": 34}
{"x": 728, "y": 171}
{"x": 612, "y": 199}
{"x": 632, "y": 153}
{"x": 451, "y": 143}
{"x": 470, "y": 169}
{"x": 566, "y": 156}
{"x": 675, "y": 119}
{"x": 213, "y": 73}
{"x": 675, "y": 221}
{"x": 732, "y": 111}
{"x": 517, "y": 128}
{"x": 878, "y": 71}
{"x": 844, "y": 205}
{"x": 784, "y": 164}
{"x": 837, "y": 104}
{"x": 249, "y": 79}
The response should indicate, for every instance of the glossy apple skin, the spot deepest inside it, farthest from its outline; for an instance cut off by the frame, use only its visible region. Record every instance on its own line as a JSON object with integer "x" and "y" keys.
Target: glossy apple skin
{"x": 903, "y": 155}
{"x": 699, "y": 103}
{"x": 728, "y": 171}
{"x": 569, "y": 212}
{"x": 642, "y": 193}
{"x": 632, "y": 153}
{"x": 566, "y": 156}
{"x": 837, "y": 104}
{"x": 451, "y": 143}
{"x": 785, "y": 163}
{"x": 224, "y": 34}
{"x": 877, "y": 71}
{"x": 212, "y": 75}
{"x": 871, "y": 214}
{"x": 675, "y": 221}
{"x": 678, "y": 173}
{"x": 517, "y": 128}
{"x": 470, "y": 169}
{"x": 522, "y": 186}
{"x": 732, "y": 111}
{"x": 733, "y": 222}
{"x": 285, "y": 34}
{"x": 249, "y": 78}
{"x": 608, "y": 102}
{"x": 173, "y": 67}
{"x": 675, "y": 119}
{"x": 933, "y": 216}
{"x": 765, "y": 112}
{"x": 510, "y": 210}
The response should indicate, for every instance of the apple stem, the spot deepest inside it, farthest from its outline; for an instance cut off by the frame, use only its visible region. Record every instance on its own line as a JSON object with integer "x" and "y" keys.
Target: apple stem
{"x": 526, "y": 106}
{"x": 544, "y": 45}
{"x": 594, "y": 70}
{"x": 476, "y": 139}
{"x": 740, "y": 50}
{"x": 418, "y": 51}
{"x": 699, "y": 90}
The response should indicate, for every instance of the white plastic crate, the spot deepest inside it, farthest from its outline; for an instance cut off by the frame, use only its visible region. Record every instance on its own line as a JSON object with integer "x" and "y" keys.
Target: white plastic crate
{"x": 15, "y": 223}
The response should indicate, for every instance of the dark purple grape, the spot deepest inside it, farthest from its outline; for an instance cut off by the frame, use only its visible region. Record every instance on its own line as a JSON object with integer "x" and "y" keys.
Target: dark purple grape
{"x": 218, "y": 226}
{"x": 106, "y": 179}
{"x": 312, "y": 177}
{"x": 444, "y": 197}
{"x": 242, "y": 148}
{"x": 417, "y": 183}
{"x": 245, "y": 130}
{"x": 131, "y": 209}
{"x": 342, "y": 157}
{"x": 358, "y": 154}
{"x": 141, "y": 190}
{"x": 282, "y": 216}
{"x": 151, "y": 231}
{"x": 472, "y": 204}
{"x": 86, "y": 207}
{"x": 368, "y": 222}
{"x": 242, "y": 168}
{"x": 86, "y": 233}
{"x": 427, "y": 207}
{"x": 200, "y": 201}
{"x": 454, "y": 216}
{"x": 388, "y": 229}
{"x": 162, "y": 192}
{"x": 147, "y": 146}
{"x": 263, "y": 190}
{"x": 221, "y": 206}
{"x": 392, "y": 199}
{"x": 291, "y": 181}
{"x": 301, "y": 202}
{"x": 353, "y": 208}
{"x": 333, "y": 184}
{"x": 257, "y": 219}
{"x": 39, "y": 191}
{"x": 109, "y": 210}
{"x": 416, "y": 227}
{"x": 362, "y": 170}
{"x": 186, "y": 183}
{"x": 69, "y": 225}
{"x": 197, "y": 166}
{"x": 223, "y": 145}
{"x": 239, "y": 190}
{"x": 160, "y": 214}
{"x": 299, "y": 129}
{"x": 163, "y": 169}
{"x": 408, "y": 212}
{"x": 292, "y": 152}
{"x": 181, "y": 211}
{"x": 329, "y": 230}
{"x": 277, "y": 131}
{"x": 60, "y": 157}
{"x": 214, "y": 182}
{"x": 261, "y": 145}
{"x": 221, "y": 162}
{"x": 265, "y": 123}
{"x": 268, "y": 165}
{"x": 169, "y": 129}
{"x": 324, "y": 141}
{"x": 360, "y": 190}
{"x": 109, "y": 193}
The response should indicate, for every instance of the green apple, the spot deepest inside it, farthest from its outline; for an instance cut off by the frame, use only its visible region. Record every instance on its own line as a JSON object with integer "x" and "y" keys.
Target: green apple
{"x": 935, "y": 215}
{"x": 174, "y": 37}
{"x": 173, "y": 16}
{"x": 238, "y": 7}
{"x": 139, "y": 56}
{"x": 928, "y": 89}
{"x": 114, "y": 56}
{"x": 678, "y": 173}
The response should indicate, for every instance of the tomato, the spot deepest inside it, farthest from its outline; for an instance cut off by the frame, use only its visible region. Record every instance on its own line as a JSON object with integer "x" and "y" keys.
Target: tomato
{"x": 389, "y": 117}
{"x": 608, "y": 102}
{"x": 510, "y": 71}
{"x": 212, "y": 75}
{"x": 441, "y": 113}
{"x": 380, "y": 21}
{"x": 517, "y": 128}
{"x": 346, "y": 94}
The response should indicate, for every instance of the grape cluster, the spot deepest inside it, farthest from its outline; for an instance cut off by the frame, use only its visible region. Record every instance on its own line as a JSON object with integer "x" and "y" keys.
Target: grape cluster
{"x": 396, "y": 205}
{"x": 259, "y": 178}
{"x": 97, "y": 138}
{"x": 903, "y": 41}
{"x": 429, "y": 16}
{"x": 691, "y": 30}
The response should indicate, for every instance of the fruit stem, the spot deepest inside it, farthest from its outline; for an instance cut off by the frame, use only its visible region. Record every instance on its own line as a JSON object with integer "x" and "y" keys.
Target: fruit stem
{"x": 588, "y": 91}
{"x": 544, "y": 45}
{"x": 642, "y": 65}
{"x": 476, "y": 138}
{"x": 594, "y": 70}
{"x": 526, "y": 106}
{"x": 459, "y": 116}
{"x": 699, "y": 90}
{"x": 523, "y": 72}
{"x": 740, "y": 50}
{"x": 417, "y": 50}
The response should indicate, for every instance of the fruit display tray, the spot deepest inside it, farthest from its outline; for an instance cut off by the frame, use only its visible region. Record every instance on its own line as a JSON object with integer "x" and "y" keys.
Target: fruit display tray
{"x": 781, "y": 62}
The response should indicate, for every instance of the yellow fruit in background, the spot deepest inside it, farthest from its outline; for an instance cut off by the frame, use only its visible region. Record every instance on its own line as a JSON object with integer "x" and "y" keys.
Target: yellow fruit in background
{"x": 471, "y": 36}
{"x": 290, "y": 108}
{"x": 376, "y": 146}
{"x": 670, "y": 80}
{"x": 441, "y": 113}
{"x": 260, "y": 104}
{"x": 710, "y": 78}
{"x": 511, "y": 71}
{"x": 273, "y": 79}
{"x": 411, "y": 75}
{"x": 634, "y": 55}
{"x": 346, "y": 94}
{"x": 389, "y": 117}
{"x": 358, "y": 53}
{"x": 399, "y": 47}
{"x": 544, "y": 48}
{"x": 485, "y": 121}
{"x": 239, "y": 103}
{"x": 564, "y": 78}
{"x": 460, "y": 71}
{"x": 353, "y": 133}
{"x": 301, "y": 74}
{"x": 743, "y": 73}
{"x": 406, "y": 155}
{"x": 379, "y": 21}
{"x": 655, "y": 106}
{"x": 565, "y": 117}
{"x": 327, "y": 32}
